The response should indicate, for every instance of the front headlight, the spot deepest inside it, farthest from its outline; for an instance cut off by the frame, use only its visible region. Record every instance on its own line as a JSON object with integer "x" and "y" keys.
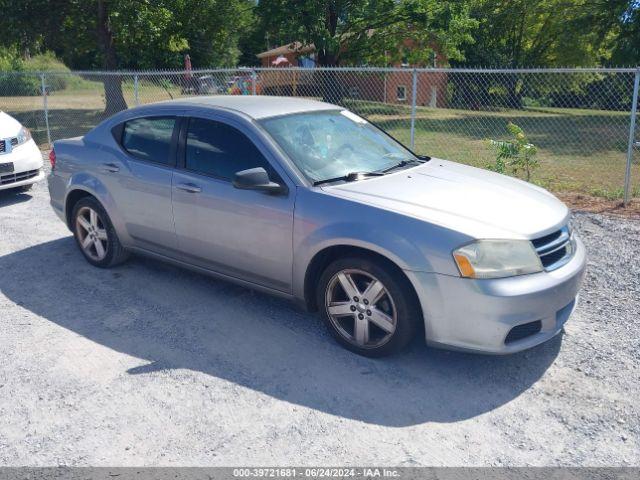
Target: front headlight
{"x": 24, "y": 135}
{"x": 497, "y": 258}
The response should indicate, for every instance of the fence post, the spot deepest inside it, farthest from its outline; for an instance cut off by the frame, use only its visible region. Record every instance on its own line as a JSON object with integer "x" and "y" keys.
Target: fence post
{"x": 135, "y": 89}
{"x": 632, "y": 138}
{"x": 414, "y": 88}
{"x": 254, "y": 77}
{"x": 45, "y": 106}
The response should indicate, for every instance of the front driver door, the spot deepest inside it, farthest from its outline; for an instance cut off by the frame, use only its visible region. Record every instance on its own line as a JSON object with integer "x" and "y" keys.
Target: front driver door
{"x": 245, "y": 234}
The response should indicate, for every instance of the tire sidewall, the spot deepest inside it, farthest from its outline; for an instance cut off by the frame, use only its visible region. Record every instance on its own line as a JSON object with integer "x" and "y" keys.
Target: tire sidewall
{"x": 400, "y": 290}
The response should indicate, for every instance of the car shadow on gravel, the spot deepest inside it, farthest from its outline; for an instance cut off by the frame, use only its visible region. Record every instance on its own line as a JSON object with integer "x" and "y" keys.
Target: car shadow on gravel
{"x": 170, "y": 318}
{"x": 11, "y": 197}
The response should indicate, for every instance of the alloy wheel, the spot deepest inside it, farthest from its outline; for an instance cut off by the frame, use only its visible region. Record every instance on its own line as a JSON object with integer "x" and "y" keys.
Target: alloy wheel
{"x": 361, "y": 308}
{"x": 92, "y": 234}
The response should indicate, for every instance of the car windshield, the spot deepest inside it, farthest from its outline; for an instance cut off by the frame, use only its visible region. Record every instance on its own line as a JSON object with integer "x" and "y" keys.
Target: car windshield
{"x": 332, "y": 144}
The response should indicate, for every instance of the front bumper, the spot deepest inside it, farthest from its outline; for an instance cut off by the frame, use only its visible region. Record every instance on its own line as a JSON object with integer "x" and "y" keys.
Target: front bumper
{"x": 477, "y": 315}
{"x": 27, "y": 166}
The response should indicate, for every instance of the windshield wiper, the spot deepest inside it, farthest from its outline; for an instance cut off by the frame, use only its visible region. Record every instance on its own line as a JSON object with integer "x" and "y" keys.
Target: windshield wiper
{"x": 403, "y": 163}
{"x": 349, "y": 177}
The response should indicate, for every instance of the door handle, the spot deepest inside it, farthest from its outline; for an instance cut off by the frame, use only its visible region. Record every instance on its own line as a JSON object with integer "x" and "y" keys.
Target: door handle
{"x": 189, "y": 187}
{"x": 110, "y": 167}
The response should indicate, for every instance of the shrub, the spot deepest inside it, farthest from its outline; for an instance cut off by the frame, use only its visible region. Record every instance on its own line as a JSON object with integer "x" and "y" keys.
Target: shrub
{"x": 516, "y": 155}
{"x": 47, "y": 62}
{"x": 19, "y": 77}
{"x": 13, "y": 78}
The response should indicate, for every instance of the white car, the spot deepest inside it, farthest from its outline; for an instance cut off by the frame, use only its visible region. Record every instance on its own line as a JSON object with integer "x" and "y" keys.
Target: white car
{"x": 20, "y": 158}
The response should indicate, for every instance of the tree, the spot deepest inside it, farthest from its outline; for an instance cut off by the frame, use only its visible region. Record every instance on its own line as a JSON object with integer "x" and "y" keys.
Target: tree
{"x": 626, "y": 45}
{"x": 367, "y": 31}
{"x": 360, "y": 32}
{"x": 128, "y": 34}
{"x": 531, "y": 33}
{"x": 538, "y": 33}
{"x": 114, "y": 99}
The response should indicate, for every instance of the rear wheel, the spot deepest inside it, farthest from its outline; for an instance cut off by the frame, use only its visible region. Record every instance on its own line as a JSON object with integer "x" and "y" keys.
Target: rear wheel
{"x": 95, "y": 235}
{"x": 368, "y": 307}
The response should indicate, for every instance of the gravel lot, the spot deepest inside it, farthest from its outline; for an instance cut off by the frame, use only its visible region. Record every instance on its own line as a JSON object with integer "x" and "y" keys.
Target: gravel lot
{"x": 147, "y": 364}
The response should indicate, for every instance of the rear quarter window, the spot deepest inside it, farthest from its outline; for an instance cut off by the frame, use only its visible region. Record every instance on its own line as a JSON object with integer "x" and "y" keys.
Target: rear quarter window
{"x": 149, "y": 138}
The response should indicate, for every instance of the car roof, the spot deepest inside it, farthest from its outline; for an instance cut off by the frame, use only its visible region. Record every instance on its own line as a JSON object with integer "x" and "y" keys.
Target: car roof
{"x": 255, "y": 106}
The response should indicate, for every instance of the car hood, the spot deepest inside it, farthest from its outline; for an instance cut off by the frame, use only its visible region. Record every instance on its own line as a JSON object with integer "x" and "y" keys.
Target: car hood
{"x": 9, "y": 126}
{"x": 478, "y": 203}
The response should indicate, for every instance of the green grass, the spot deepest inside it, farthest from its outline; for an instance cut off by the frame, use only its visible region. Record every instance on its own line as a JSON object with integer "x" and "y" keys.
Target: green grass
{"x": 579, "y": 150}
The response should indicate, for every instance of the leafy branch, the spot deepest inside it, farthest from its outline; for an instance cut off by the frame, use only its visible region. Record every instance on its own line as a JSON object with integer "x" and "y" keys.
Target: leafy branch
{"x": 516, "y": 155}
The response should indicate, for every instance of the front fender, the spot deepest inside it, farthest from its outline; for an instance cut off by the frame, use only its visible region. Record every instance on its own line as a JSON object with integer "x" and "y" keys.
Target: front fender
{"x": 400, "y": 250}
{"x": 323, "y": 221}
{"x": 391, "y": 246}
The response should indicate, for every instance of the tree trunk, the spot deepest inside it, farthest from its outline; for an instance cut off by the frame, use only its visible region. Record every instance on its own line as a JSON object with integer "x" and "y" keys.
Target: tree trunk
{"x": 331, "y": 87}
{"x": 329, "y": 81}
{"x": 114, "y": 99}
{"x": 514, "y": 95}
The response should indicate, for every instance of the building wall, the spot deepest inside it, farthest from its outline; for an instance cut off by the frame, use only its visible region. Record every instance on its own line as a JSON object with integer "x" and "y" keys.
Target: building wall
{"x": 431, "y": 88}
{"x": 377, "y": 87}
{"x": 362, "y": 86}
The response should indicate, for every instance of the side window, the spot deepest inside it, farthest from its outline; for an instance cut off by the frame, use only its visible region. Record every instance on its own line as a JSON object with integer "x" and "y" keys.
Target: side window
{"x": 218, "y": 149}
{"x": 149, "y": 138}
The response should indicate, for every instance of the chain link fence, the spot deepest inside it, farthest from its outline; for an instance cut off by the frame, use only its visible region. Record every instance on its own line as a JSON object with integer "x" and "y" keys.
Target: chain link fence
{"x": 581, "y": 121}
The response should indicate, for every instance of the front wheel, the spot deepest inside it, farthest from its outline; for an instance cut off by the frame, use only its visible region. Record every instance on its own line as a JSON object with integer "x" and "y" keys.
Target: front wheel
{"x": 95, "y": 234}
{"x": 368, "y": 306}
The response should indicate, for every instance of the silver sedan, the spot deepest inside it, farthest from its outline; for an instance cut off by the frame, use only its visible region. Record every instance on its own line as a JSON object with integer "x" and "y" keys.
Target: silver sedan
{"x": 309, "y": 201}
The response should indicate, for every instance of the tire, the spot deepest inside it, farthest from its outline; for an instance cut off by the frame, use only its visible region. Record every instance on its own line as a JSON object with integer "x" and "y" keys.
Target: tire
{"x": 355, "y": 324}
{"x": 112, "y": 253}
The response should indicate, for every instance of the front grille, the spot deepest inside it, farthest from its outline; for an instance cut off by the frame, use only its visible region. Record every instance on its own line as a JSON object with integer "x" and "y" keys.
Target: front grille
{"x": 523, "y": 331}
{"x": 554, "y": 249}
{"x": 17, "y": 177}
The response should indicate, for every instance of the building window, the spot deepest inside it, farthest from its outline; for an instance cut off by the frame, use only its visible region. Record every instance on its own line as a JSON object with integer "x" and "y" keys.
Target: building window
{"x": 401, "y": 92}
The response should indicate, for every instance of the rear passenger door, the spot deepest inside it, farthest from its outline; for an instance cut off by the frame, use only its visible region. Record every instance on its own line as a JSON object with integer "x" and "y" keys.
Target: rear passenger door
{"x": 140, "y": 180}
{"x": 245, "y": 234}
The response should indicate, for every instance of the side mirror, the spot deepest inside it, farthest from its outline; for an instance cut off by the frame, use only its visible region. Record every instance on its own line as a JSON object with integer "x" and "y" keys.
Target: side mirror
{"x": 257, "y": 179}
